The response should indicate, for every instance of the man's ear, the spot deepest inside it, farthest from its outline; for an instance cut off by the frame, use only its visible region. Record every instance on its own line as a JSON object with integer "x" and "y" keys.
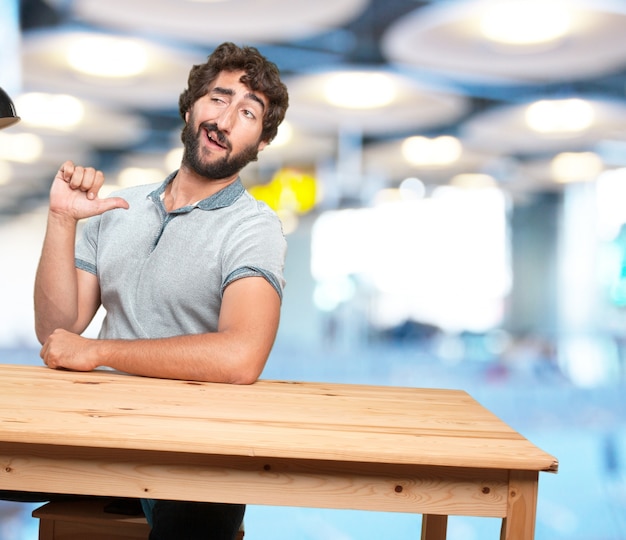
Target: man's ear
{"x": 187, "y": 117}
{"x": 262, "y": 145}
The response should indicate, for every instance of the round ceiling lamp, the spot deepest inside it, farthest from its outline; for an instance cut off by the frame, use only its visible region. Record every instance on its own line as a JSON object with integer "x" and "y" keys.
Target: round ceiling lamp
{"x": 122, "y": 72}
{"x": 560, "y": 116}
{"x": 8, "y": 116}
{"x": 510, "y": 41}
{"x": 369, "y": 101}
{"x": 360, "y": 90}
{"x": 108, "y": 56}
{"x": 211, "y": 22}
{"x": 546, "y": 126}
{"x": 525, "y": 22}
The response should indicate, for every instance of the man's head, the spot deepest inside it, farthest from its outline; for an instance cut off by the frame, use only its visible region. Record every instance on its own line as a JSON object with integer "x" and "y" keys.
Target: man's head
{"x": 260, "y": 75}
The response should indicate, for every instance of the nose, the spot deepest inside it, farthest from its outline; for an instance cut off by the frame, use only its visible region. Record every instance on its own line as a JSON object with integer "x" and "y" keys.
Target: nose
{"x": 226, "y": 119}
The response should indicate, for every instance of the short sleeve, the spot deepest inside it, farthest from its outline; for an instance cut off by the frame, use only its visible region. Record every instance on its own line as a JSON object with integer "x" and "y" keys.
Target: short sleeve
{"x": 87, "y": 245}
{"x": 258, "y": 248}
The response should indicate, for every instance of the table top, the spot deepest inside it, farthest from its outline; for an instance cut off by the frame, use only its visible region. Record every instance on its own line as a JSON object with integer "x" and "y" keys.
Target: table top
{"x": 277, "y": 419}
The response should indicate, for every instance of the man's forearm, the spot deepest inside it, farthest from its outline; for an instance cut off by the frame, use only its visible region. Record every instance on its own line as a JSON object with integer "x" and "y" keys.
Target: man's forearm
{"x": 235, "y": 353}
{"x": 203, "y": 357}
{"x": 56, "y": 288}
{"x": 214, "y": 357}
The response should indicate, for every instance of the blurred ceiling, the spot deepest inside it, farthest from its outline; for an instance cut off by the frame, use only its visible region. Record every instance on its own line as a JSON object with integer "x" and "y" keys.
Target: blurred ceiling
{"x": 444, "y": 78}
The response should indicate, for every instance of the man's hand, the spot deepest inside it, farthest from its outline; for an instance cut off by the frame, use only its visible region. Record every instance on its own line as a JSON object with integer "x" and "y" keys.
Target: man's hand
{"x": 74, "y": 193}
{"x": 67, "y": 350}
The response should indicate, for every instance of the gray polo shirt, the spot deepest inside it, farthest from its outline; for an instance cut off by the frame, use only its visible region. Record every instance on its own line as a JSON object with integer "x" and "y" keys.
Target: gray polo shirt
{"x": 163, "y": 274}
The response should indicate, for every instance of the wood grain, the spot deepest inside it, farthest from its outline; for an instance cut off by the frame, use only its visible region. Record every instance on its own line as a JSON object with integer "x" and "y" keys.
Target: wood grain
{"x": 324, "y": 484}
{"x": 436, "y": 452}
{"x": 267, "y": 419}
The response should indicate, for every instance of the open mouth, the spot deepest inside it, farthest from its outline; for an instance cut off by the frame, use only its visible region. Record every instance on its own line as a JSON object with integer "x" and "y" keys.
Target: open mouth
{"x": 215, "y": 139}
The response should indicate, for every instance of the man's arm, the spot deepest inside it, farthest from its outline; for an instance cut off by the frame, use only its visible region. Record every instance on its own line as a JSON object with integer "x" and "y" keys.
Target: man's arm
{"x": 236, "y": 353}
{"x": 64, "y": 296}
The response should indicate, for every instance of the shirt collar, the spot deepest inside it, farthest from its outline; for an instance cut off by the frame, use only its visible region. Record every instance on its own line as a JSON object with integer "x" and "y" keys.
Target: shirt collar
{"x": 223, "y": 198}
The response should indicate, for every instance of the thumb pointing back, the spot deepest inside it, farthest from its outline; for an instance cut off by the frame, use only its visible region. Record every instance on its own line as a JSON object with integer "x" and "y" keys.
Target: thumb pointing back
{"x": 111, "y": 204}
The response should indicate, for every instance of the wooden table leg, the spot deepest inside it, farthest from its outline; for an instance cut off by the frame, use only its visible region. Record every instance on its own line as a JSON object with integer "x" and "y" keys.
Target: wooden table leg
{"x": 519, "y": 523}
{"x": 434, "y": 527}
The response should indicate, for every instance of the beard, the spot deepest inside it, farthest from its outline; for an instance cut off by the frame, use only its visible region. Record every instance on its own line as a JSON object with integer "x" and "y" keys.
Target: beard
{"x": 225, "y": 167}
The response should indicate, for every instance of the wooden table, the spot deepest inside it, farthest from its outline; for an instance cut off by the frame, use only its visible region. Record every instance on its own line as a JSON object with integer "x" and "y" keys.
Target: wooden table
{"x": 427, "y": 451}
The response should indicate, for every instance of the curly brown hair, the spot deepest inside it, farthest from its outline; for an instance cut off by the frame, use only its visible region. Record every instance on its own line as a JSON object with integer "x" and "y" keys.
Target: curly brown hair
{"x": 261, "y": 75}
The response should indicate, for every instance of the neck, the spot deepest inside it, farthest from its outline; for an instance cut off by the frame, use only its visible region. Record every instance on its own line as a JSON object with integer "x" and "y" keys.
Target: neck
{"x": 188, "y": 188}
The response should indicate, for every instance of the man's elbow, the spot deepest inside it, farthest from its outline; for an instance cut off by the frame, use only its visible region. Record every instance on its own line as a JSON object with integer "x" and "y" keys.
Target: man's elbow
{"x": 42, "y": 333}
{"x": 244, "y": 379}
{"x": 248, "y": 369}
{"x": 248, "y": 374}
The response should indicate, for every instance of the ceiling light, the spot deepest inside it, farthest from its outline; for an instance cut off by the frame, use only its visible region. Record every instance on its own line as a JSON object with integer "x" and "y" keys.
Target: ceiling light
{"x": 473, "y": 181}
{"x": 412, "y": 188}
{"x": 135, "y": 176}
{"x": 173, "y": 158}
{"x": 439, "y": 151}
{"x": 5, "y": 173}
{"x": 8, "y": 116}
{"x": 104, "y": 56}
{"x": 387, "y": 195}
{"x": 576, "y": 167}
{"x": 289, "y": 220}
{"x": 284, "y": 135}
{"x": 360, "y": 90}
{"x": 58, "y": 111}
{"x": 559, "y": 116}
{"x": 525, "y": 22}
{"x": 20, "y": 147}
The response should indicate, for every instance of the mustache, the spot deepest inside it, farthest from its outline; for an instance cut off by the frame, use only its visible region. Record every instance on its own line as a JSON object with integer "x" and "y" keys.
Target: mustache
{"x": 211, "y": 127}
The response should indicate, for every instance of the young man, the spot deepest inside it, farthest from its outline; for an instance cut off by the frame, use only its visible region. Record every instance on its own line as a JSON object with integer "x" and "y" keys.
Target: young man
{"x": 190, "y": 272}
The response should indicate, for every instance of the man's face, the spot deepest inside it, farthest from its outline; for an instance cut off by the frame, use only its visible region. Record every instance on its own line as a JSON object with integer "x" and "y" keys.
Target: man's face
{"x": 223, "y": 129}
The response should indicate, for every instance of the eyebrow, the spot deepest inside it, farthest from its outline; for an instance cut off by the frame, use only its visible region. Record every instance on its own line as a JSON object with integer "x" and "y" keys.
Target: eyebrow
{"x": 229, "y": 92}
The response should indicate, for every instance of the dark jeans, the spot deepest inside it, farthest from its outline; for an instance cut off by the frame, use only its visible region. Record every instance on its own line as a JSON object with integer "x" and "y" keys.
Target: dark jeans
{"x": 177, "y": 520}
{"x": 171, "y": 520}
{"x": 32, "y": 497}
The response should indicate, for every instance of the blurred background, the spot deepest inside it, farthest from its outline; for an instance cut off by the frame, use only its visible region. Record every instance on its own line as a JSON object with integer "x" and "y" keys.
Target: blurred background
{"x": 451, "y": 178}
